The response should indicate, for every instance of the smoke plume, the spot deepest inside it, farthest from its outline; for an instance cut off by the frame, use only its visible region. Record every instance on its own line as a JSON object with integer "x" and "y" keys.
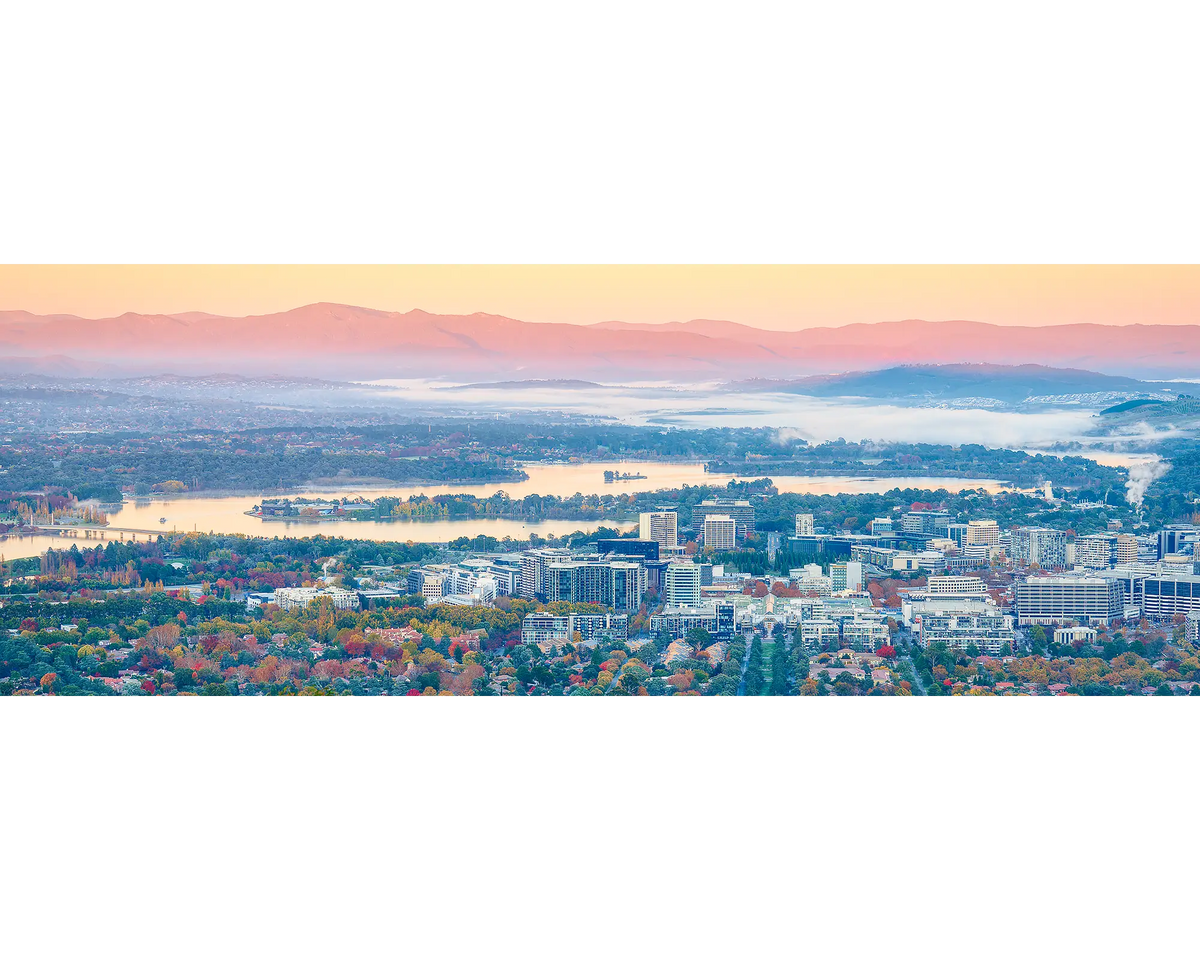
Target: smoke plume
{"x": 1141, "y": 475}
{"x": 786, "y": 435}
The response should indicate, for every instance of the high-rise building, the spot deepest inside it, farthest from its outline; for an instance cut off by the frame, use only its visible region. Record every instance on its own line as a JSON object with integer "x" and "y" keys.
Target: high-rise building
{"x": 1097, "y": 551}
{"x": 615, "y": 583}
{"x": 534, "y": 564}
{"x": 957, "y": 534}
{"x": 720, "y": 533}
{"x": 1177, "y": 538}
{"x": 1041, "y": 545}
{"x": 1127, "y": 548}
{"x": 661, "y": 526}
{"x": 804, "y": 525}
{"x": 742, "y": 512}
{"x": 682, "y": 587}
{"x": 926, "y": 523}
{"x": 983, "y": 533}
{"x": 845, "y": 575}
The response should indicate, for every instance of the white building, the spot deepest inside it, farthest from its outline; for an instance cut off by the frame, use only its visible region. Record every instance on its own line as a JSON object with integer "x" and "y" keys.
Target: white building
{"x": 298, "y": 598}
{"x": 534, "y": 567}
{"x": 720, "y": 533}
{"x": 866, "y": 630}
{"x": 547, "y": 629}
{"x": 433, "y": 586}
{"x": 1071, "y": 634}
{"x": 820, "y": 632}
{"x": 1047, "y": 600}
{"x": 1096, "y": 551}
{"x": 661, "y": 526}
{"x": 804, "y": 525}
{"x": 961, "y": 623}
{"x": 954, "y": 586}
{"x": 983, "y": 533}
{"x": 682, "y": 584}
{"x": 845, "y": 575}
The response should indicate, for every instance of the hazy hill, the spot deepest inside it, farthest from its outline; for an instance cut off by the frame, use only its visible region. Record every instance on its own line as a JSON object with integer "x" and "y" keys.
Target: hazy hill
{"x": 339, "y": 341}
{"x": 1011, "y": 384}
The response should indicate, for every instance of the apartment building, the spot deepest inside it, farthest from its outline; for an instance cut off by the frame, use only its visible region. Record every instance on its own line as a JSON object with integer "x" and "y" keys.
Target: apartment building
{"x": 661, "y": 526}
{"x": 1039, "y": 545}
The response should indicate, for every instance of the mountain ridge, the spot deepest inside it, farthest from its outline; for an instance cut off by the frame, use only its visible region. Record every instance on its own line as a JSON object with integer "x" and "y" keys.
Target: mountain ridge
{"x": 346, "y": 341}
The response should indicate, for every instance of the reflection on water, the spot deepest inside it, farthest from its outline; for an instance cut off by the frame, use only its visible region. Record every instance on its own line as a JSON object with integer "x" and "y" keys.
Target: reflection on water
{"x": 438, "y": 531}
{"x": 227, "y": 514}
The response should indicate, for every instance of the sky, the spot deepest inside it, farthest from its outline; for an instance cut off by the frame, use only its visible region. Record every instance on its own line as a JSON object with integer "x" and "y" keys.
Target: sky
{"x": 769, "y": 296}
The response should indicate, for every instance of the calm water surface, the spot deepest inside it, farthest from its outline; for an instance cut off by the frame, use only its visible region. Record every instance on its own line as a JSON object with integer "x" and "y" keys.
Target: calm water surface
{"x": 227, "y": 514}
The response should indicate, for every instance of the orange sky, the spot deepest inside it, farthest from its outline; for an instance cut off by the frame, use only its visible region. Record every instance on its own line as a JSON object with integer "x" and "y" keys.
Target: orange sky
{"x": 777, "y": 297}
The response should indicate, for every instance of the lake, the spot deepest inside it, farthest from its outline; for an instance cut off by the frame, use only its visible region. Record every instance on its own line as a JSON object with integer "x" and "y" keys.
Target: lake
{"x": 226, "y": 513}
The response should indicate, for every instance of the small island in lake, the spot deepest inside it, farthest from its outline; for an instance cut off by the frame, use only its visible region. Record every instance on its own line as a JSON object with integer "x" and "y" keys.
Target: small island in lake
{"x": 612, "y": 476}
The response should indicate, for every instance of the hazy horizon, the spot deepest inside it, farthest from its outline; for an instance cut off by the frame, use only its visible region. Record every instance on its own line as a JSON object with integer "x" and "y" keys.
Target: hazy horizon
{"x": 769, "y": 297}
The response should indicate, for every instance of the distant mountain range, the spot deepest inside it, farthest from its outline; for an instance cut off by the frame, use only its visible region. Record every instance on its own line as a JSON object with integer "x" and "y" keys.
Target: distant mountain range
{"x": 924, "y": 382}
{"x": 346, "y": 342}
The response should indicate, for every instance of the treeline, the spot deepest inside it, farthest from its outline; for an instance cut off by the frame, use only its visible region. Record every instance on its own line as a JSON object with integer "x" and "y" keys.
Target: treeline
{"x": 969, "y": 460}
{"x": 100, "y": 471}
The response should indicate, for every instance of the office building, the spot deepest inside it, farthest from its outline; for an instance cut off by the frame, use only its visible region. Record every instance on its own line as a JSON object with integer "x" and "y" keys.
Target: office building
{"x": 720, "y": 532}
{"x": 661, "y": 526}
{"x": 629, "y": 547}
{"x": 956, "y": 533}
{"x": 426, "y": 583}
{"x": 804, "y": 525}
{"x": 1052, "y": 600}
{"x": 682, "y": 587}
{"x": 925, "y": 523}
{"x": 741, "y": 511}
{"x": 1126, "y": 548}
{"x": 955, "y": 586}
{"x": 983, "y": 533}
{"x": 1177, "y": 538}
{"x": 1164, "y": 597}
{"x": 845, "y": 575}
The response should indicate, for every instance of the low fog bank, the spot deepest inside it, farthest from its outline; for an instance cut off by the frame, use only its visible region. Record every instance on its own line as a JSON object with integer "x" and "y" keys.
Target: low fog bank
{"x": 809, "y": 418}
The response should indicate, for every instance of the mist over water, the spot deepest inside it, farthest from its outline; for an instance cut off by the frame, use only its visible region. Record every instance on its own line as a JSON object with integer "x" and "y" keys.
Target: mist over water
{"x": 810, "y": 418}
